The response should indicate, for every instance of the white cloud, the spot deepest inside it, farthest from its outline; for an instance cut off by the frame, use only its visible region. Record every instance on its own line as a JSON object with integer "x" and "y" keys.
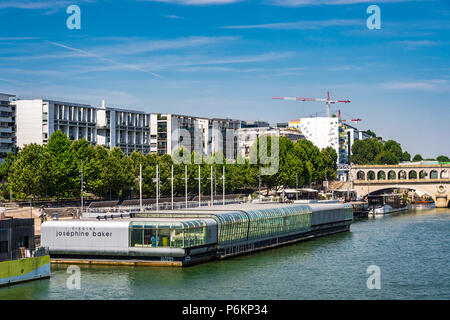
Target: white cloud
{"x": 197, "y": 2}
{"x": 424, "y": 85}
{"x": 414, "y": 44}
{"x": 111, "y": 61}
{"x": 297, "y": 3}
{"x": 37, "y": 4}
{"x": 172, "y": 16}
{"x": 302, "y": 24}
{"x": 128, "y": 46}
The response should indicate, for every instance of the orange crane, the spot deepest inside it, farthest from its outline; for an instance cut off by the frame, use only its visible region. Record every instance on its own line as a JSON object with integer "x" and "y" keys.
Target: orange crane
{"x": 328, "y": 101}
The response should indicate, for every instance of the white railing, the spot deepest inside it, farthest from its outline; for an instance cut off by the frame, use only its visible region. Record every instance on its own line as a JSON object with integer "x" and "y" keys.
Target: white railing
{"x": 126, "y": 210}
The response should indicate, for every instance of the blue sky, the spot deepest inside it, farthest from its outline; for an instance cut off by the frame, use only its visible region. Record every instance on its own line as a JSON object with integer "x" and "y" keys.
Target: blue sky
{"x": 227, "y": 58}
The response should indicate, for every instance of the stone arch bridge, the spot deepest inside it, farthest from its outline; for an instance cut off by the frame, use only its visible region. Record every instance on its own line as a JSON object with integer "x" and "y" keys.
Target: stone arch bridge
{"x": 432, "y": 179}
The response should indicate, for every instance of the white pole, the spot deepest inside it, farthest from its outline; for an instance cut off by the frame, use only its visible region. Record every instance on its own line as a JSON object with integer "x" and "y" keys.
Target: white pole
{"x": 172, "y": 186}
{"x": 157, "y": 187}
{"x": 81, "y": 187}
{"x": 140, "y": 187}
{"x": 212, "y": 186}
{"x": 199, "y": 177}
{"x": 185, "y": 185}
{"x": 223, "y": 185}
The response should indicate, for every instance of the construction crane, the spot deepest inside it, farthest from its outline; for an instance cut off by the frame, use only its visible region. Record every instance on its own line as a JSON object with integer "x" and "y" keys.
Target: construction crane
{"x": 345, "y": 120}
{"x": 328, "y": 101}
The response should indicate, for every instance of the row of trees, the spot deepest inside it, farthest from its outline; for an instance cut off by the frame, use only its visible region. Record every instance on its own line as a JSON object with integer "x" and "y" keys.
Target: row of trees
{"x": 373, "y": 151}
{"x": 441, "y": 158}
{"x": 54, "y": 170}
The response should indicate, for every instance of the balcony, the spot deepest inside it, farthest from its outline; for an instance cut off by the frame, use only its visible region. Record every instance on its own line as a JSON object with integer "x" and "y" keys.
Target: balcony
{"x": 5, "y": 140}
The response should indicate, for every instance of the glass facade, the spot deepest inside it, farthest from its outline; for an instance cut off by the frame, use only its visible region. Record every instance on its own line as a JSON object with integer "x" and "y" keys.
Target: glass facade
{"x": 233, "y": 227}
{"x": 348, "y": 212}
{"x": 278, "y": 221}
{"x": 176, "y": 234}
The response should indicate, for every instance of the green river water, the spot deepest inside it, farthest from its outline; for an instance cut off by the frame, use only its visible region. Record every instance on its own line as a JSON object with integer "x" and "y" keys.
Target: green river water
{"x": 412, "y": 250}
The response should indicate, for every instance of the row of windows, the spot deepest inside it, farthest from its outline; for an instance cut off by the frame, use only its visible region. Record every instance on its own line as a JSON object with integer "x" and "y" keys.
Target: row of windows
{"x": 277, "y": 221}
{"x": 184, "y": 234}
{"x": 233, "y": 227}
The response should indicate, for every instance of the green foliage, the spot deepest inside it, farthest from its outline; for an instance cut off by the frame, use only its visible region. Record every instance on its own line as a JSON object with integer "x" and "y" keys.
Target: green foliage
{"x": 386, "y": 157}
{"x": 406, "y": 156}
{"x": 54, "y": 170}
{"x": 365, "y": 151}
{"x": 6, "y": 166}
{"x": 417, "y": 157}
{"x": 443, "y": 159}
{"x": 371, "y": 133}
{"x": 373, "y": 151}
{"x": 393, "y": 147}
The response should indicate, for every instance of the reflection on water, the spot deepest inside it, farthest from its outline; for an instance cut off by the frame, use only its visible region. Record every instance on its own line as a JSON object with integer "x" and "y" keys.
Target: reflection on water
{"x": 410, "y": 248}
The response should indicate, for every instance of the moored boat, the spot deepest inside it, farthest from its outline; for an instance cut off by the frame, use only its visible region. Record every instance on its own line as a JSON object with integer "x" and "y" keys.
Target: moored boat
{"x": 386, "y": 203}
{"x": 19, "y": 259}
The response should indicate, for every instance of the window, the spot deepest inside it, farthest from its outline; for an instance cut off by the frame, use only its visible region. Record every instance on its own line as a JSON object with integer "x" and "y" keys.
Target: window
{"x": 3, "y": 246}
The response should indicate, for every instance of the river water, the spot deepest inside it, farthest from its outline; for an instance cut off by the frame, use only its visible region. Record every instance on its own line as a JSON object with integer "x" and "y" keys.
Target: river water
{"x": 411, "y": 249}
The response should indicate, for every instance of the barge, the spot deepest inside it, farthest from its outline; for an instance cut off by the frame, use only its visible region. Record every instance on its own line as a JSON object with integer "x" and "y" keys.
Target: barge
{"x": 190, "y": 236}
{"x": 20, "y": 261}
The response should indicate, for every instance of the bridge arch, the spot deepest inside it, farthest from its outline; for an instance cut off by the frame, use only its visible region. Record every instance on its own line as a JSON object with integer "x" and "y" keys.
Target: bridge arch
{"x": 422, "y": 174}
{"x": 374, "y": 189}
{"x": 402, "y": 175}
{"x": 391, "y": 175}
{"x": 434, "y": 174}
{"x": 360, "y": 175}
{"x": 444, "y": 174}
{"x": 371, "y": 175}
{"x": 412, "y": 174}
{"x": 381, "y": 175}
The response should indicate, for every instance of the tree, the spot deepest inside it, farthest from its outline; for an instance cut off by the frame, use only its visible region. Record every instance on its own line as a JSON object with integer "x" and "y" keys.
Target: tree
{"x": 394, "y": 147}
{"x": 117, "y": 173}
{"x": 387, "y": 157}
{"x": 328, "y": 164}
{"x": 26, "y": 175}
{"x": 443, "y": 159}
{"x": 406, "y": 156}
{"x": 6, "y": 166}
{"x": 63, "y": 160}
{"x": 371, "y": 133}
{"x": 365, "y": 151}
{"x": 417, "y": 157}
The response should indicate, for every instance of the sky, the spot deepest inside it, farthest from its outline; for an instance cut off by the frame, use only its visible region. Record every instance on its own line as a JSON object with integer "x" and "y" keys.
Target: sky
{"x": 228, "y": 58}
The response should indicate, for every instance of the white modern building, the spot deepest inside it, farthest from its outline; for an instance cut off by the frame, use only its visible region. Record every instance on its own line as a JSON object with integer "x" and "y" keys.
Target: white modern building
{"x": 249, "y": 135}
{"x": 354, "y": 134}
{"x": 7, "y": 125}
{"x": 202, "y": 135}
{"x": 37, "y": 119}
{"x": 331, "y": 132}
{"x": 325, "y": 132}
{"x": 110, "y": 126}
{"x": 127, "y": 129}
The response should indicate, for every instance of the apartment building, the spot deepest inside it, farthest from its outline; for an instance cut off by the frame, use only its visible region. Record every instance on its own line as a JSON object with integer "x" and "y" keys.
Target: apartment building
{"x": 111, "y": 126}
{"x": 202, "y": 135}
{"x": 7, "y": 125}
{"x": 37, "y": 119}
{"x": 127, "y": 129}
{"x": 248, "y": 135}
